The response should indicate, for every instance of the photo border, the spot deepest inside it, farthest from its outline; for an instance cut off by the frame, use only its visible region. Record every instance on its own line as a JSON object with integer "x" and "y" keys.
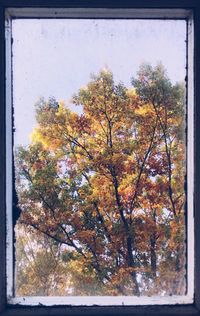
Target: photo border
{"x": 190, "y": 309}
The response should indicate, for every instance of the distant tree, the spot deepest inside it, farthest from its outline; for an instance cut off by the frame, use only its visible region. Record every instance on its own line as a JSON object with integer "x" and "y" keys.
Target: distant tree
{"x": 109, "y": 184}
{"x": 39, "y": 269}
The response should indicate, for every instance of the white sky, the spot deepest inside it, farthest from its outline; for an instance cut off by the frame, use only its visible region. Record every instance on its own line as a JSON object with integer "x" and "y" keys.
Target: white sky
{"x": 56, "y": 57}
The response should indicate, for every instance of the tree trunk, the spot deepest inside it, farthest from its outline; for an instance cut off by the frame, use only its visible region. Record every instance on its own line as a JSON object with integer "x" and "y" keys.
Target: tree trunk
{"x": 153, "y": 254}
{"x": 131, "y": 263}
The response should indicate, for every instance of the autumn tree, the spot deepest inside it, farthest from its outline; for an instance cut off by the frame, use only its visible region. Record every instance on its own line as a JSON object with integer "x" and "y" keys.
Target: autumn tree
{"x": 39, "y": 268}
{"x": 109, "y": 184}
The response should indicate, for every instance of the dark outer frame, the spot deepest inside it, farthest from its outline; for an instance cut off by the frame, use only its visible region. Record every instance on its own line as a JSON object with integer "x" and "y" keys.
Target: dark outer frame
{"x": 184, "y": 310}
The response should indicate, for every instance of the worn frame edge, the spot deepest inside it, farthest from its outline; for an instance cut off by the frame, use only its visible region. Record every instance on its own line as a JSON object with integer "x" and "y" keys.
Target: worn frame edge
{"x": 192, "y": 309}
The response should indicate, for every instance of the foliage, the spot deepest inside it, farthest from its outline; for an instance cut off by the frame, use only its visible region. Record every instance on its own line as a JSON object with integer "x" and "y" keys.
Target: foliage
{"x": 39, "y": 268}
{"x": 108, "y": 184}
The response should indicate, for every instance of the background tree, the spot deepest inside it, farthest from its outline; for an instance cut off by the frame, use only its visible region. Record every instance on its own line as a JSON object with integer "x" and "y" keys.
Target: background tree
{"x": 109, "y": 183}
{"x": 40, "y": 269}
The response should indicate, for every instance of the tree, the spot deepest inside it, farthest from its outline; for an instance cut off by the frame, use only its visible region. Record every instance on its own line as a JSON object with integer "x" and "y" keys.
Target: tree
{"x": 109, "y": 183}
{"x": 40, "y": 270}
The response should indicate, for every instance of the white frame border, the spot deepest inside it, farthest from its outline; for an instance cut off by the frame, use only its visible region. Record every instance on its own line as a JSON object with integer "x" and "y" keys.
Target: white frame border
{"x": 12, "y": 13}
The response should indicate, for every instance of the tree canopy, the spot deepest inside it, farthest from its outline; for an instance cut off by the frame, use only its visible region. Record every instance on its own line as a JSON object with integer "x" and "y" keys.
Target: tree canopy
{"x": 108, "y": 185}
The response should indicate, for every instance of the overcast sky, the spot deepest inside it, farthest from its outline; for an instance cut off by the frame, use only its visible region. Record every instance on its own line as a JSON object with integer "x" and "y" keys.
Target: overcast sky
{"x": 56, "y": 57}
